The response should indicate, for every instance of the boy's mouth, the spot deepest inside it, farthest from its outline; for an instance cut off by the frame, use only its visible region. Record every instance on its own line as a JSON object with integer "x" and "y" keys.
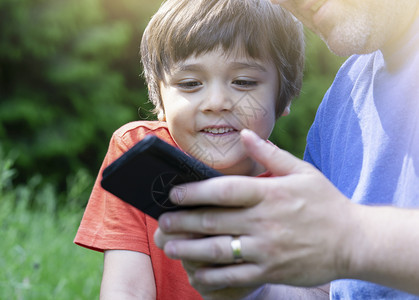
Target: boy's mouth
{"x": 218, "y": 130}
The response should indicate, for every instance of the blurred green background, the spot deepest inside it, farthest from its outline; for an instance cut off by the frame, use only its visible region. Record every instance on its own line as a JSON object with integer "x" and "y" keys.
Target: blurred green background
{"x": 69, "y": 77}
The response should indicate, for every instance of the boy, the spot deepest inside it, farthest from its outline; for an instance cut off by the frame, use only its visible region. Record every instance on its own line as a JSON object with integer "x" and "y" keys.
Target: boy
{"x": 212, "y": 69}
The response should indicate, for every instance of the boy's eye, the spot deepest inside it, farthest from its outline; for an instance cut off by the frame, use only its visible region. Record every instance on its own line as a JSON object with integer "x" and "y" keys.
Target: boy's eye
{"x": 245, "y": 83}
{"x": 189, "y": 85}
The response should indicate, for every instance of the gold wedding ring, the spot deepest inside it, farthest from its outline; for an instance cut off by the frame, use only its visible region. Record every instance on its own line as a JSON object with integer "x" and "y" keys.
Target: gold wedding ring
{"x": 236, "y": 246}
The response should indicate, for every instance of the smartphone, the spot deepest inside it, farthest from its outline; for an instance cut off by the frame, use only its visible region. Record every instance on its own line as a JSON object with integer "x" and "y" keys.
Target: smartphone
{"x": 144, "y": 175}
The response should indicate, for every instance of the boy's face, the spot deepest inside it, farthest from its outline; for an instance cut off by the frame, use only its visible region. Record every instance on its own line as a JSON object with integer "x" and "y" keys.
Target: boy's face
{"x": 209, "y": 98}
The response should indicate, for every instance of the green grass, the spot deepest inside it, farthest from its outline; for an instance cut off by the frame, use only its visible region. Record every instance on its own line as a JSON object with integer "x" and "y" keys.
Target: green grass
{"x": 38, "y": 259}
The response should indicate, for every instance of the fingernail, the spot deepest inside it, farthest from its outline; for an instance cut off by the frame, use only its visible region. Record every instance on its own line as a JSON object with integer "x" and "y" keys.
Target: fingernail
{"x": 250, "y": 133}
{"x": 246, "y": 131}
{"x": 170, "y": 250}
{"x": 177, "y": 194}
{"x": 164, "y": 223}
{"x": 157, "y": 241}
{"x": 199, "y": 276}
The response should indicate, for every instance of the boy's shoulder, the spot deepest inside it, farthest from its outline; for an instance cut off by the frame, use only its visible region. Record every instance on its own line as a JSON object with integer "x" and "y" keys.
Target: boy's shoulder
{"x": 133, "y": 132}
{"x": 140, "y": 126}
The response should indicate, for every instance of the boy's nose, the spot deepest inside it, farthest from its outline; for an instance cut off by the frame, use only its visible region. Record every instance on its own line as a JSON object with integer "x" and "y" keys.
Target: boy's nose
{"x": 217, "y": 99}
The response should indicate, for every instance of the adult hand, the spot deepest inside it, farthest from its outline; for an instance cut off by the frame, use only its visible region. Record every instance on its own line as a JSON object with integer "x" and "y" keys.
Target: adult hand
{"x": 294, "y": 228}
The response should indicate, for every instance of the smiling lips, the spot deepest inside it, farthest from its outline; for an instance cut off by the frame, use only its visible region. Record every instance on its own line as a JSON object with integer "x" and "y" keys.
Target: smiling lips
{"x": 218, "y": 130}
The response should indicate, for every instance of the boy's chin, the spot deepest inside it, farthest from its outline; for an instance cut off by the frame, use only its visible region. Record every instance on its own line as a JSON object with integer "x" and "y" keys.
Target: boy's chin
{"x": 243, "y": 166}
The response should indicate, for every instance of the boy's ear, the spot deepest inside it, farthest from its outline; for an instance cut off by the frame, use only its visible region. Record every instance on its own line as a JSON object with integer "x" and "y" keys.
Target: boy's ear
{"x": 286, "y": 111}
{"x": 161, "y": 116}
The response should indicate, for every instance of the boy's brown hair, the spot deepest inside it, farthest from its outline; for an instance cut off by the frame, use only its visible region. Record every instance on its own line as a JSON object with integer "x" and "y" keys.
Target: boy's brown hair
{"x": 183, "y": 28}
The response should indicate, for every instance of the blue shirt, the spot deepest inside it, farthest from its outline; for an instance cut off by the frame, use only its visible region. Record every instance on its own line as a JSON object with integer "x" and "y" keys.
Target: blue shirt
{"x": 365, "y": 139}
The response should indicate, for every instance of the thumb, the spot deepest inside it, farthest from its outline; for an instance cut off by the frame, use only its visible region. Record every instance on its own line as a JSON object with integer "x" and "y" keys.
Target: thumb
{"x": 279, "y": 162}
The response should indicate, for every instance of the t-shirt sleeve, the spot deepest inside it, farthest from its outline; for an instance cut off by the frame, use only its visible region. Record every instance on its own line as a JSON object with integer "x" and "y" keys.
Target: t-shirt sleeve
{"x": 109, "y": 223}
{"x": 312, "y": 150}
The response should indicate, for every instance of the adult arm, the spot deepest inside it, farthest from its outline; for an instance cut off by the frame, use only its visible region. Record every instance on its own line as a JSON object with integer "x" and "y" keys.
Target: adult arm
{"x": 127, "y": 275}
{"x": 295, "y": 229}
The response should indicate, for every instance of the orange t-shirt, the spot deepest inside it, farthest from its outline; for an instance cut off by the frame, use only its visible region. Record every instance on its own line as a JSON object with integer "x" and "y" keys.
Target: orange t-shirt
{"x": 109, "y": 223}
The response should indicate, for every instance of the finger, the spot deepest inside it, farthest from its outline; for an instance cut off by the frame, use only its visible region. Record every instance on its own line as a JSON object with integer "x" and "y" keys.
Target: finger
{"x": 240, "y": 191}
{"x": 206, "y": 221}
{"x": 190, "y": 268}
{"x": 274, "y": 159}
{"x": 234, "y": 275}
{"x": 160, "y": 238}
{"x": 215, "y": 250}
